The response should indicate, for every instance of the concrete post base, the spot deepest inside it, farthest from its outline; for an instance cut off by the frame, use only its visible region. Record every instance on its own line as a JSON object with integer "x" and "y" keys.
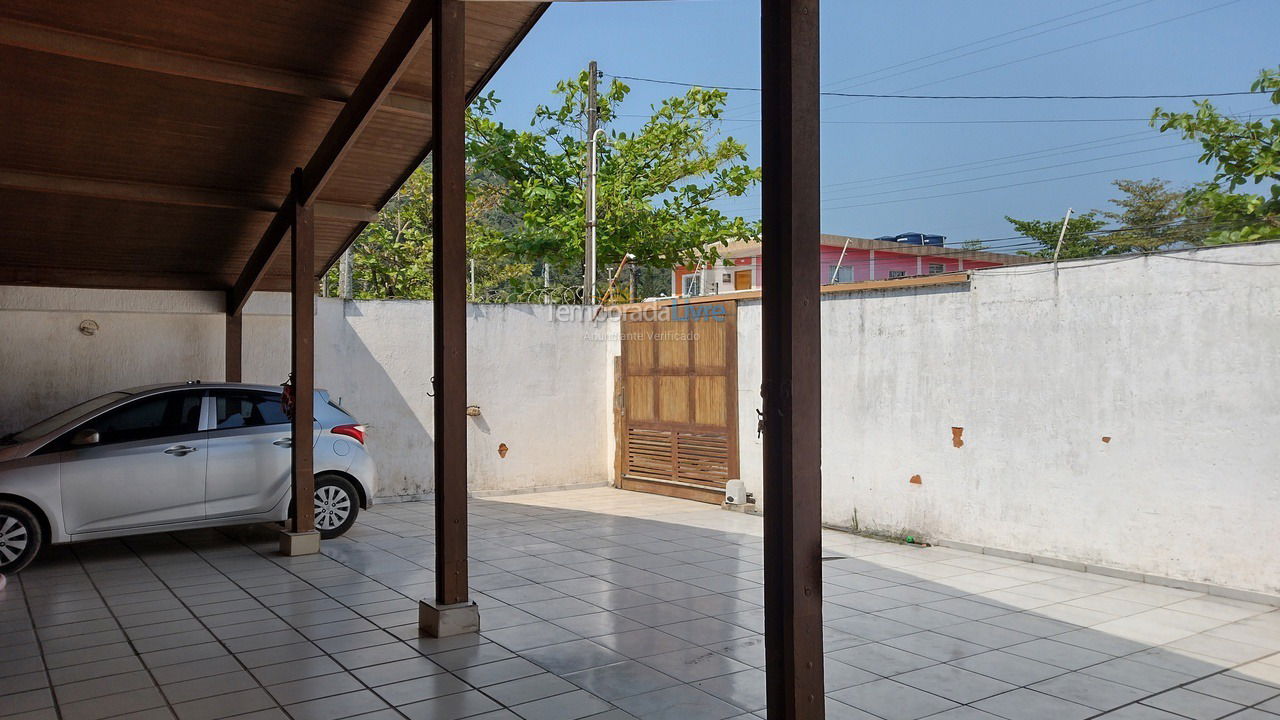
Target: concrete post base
{"x": 446, "y": 620}
{"x": 303, "y": 543}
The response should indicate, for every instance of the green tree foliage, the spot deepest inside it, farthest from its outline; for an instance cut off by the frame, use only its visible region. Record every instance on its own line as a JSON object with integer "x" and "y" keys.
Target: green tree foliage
{"x": 655, "y": 189}
{"x": 1078, "y": 241}
{"x": 392, "y": 258}
{"x": 525, "y": 199}
{"x": 1150, "y": 216}
{"x": 1244, "y": 152}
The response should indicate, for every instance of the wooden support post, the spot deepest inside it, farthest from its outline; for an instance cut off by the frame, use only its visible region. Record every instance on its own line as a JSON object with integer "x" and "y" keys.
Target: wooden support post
{"x": 235, "y": 347}
{"x": 303, "y": 352}
{"x": 452, "y": 612}
{"x": 791, "y": 360}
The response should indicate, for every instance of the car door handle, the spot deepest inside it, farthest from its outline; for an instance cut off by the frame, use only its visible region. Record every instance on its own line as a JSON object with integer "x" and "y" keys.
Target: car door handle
{"x": 180, "y": 450}
{"x": 283, "y": 442}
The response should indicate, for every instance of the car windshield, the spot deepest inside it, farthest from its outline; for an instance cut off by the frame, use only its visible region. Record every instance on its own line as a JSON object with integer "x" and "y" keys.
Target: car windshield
{"x": 49, "y": 425}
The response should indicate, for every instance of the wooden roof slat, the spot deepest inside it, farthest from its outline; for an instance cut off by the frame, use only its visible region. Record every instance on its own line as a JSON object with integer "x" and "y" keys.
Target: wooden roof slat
{"x": 475, "y": 14}
{"x": 160, "y": 136}
{"x": 167, "y": 194}
{"x": 54, "y": 41}
{"x": 162, "y": 129}
{"x": 320, "y": 38}
{"x": 392, "y": 60}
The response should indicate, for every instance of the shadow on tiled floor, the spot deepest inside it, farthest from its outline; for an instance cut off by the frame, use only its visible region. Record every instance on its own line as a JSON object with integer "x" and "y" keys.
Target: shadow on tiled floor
{"x": 604, "y": 604}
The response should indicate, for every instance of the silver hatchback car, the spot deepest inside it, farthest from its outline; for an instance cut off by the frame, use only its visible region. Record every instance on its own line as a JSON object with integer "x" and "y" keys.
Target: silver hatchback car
{"x": 172, "y": 457}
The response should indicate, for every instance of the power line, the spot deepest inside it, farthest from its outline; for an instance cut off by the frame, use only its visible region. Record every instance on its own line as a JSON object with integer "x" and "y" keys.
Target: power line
{"x": 1108, "y": 259}
{"x": 1064, "y": 48}
{"x": 1219, "y": 262}
{"x": 1053, "y": 166}
{"x": 1008, "y": 159}
{"x": 1192, "y": 222}
{"x": 1001, "y": 121}
{"x": 958, "y": 97}
{"x": 900, "y": 65}
{"x": 1044, "y": 153}
{"x": 940, "y": 251}
{"x": 1000, "y": 187}
{"x": 1018, "y": 184}
{"x": 1014, "y": 159}
{"x": 992, "y": 47}
{"x": 1026, "y": 242}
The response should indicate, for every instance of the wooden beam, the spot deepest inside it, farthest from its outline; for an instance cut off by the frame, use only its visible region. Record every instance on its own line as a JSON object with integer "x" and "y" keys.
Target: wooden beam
{"x": 449, "y": 228}
{"x": 260, "y": 259}
{"x": 471, "y": 96}
{"x": 302, "y": 351}
{"x": 235, "y": 348}
{"x": 388, "y": 66}
{"x": 54, "y": 41}
{"x": 791, "y": 360}
{"x": 97, "y": 277}
{"x": 180, "y": 195}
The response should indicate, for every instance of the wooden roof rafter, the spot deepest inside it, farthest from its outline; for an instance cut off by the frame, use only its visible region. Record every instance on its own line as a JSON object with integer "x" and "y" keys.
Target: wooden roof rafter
{"x": 56, "y": 41}
{"x": 166, "y": 194}
{"x": 392, "y": 60}
{"x": 150, "y": 146}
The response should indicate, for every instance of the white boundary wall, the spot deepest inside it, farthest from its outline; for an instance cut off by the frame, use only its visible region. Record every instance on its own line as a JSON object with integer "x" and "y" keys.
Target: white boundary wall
{"x": 1176, "y": 361}
{"x": 1173, "y": 359}
{"x": 536, "y": 376}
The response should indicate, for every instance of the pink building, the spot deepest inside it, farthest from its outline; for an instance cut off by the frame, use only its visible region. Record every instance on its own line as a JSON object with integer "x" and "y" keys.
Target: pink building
{"x": 843, "y": 260}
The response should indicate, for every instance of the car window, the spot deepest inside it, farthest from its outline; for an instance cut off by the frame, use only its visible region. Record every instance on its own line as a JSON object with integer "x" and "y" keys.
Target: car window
{"x": 50, "y": 424}
{"x": 154, "y": 416}
{"x": 247, "y": 408}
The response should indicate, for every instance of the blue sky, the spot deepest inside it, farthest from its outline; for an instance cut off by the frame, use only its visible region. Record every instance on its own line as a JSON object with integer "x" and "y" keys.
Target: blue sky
{"x": 935, "y": 174}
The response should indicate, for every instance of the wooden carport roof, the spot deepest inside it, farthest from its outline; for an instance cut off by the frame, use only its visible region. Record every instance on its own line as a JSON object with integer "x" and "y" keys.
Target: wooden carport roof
{"x": 150, "y": 145}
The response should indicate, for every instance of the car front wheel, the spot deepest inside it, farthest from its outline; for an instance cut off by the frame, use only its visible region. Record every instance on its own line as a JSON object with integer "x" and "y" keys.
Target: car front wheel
{"x": 336, "y": 505}
{"x": 20, "y": 537}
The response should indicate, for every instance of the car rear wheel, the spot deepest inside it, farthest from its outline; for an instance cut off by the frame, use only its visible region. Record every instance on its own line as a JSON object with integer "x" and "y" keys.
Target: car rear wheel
{"x": 20, "y": 537}
{"x": 336, "y": 505}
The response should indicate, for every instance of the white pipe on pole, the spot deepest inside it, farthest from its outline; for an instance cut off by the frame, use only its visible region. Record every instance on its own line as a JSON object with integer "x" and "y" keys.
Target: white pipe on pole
{"x": 1061, "y": 235}
{"x": 836, "y": 271}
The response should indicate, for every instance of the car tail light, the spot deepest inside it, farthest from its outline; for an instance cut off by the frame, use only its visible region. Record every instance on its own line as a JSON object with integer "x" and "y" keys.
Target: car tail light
{"x": 355, "y": 432}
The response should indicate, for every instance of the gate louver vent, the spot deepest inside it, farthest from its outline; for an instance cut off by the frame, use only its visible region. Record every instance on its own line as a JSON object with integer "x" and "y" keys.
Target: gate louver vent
{"x": 698, "y": 458}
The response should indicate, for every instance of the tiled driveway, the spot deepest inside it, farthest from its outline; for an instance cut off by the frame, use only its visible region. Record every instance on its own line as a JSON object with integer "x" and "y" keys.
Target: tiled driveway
{"x": 606, "y": 604}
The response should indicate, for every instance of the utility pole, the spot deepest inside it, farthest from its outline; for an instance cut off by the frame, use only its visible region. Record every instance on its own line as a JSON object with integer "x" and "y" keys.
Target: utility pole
{"x": 344, "y": 276}
{"x": 1058, "y": 248}
{"x": 593, "y": 120}
{"x": 546, "y": 283}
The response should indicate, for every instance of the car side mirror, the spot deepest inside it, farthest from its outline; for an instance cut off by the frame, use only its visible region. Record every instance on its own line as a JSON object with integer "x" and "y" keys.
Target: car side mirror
{"x": 88, "y": 436}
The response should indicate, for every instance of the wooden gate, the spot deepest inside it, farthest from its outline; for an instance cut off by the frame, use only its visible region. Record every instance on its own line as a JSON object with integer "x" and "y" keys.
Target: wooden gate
{"x": 679, "y": 409}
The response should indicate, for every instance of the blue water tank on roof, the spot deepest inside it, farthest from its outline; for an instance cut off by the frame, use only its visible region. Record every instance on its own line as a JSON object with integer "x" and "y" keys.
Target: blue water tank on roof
{"x": 915, "y": 238}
